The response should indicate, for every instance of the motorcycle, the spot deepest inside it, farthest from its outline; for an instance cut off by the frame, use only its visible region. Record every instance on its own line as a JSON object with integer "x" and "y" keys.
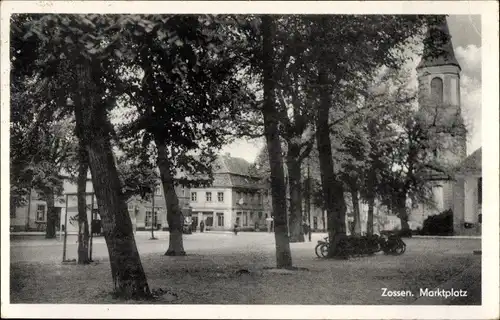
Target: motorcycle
{"x": 392, "y": 244}
{"x": 321, "y": 248}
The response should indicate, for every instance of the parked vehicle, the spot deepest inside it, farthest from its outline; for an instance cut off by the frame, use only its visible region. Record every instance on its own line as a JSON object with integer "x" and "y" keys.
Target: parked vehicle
{"x": 392, "y": 244}
{"x": 321, "y": 248}
{"x": 352, "y": 246}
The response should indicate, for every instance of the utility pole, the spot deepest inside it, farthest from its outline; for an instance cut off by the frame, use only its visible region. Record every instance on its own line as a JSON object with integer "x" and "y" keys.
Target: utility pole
{"x": 153, "y": 214}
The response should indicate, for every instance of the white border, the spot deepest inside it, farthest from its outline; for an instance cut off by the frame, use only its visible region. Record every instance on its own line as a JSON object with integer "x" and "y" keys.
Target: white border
{"x": 490, "y": 102}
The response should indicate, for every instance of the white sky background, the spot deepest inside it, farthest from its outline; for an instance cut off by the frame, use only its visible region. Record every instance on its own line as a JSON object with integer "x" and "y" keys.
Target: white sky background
{"x": 466, "y": 38}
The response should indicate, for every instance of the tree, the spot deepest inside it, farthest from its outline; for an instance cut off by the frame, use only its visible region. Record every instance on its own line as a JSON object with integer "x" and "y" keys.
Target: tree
{"x": 79, "y": 52}
{"x": 194, "y": 70}
{"x": 351, "y": 49}
{"x": 271, "y": 122}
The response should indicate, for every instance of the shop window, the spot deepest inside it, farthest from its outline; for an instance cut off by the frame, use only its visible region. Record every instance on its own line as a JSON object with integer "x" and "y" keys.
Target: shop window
{"x": 209, "y": 222}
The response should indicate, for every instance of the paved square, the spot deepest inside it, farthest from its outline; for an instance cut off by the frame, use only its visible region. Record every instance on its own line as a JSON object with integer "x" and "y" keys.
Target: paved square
{"x": 208, "y": 274}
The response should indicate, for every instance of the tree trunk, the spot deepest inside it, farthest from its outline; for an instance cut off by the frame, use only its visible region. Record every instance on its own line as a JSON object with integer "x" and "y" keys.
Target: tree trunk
{"x": 83, "y": 223}
{"x": 402, "y": 213}
{"x": 357, "y": 214}
{"x": 50, "y": 231}
{"x": 369, "y": 220}
{"x": 294, "y": 180}
{"x": 129, "y": 278}
{"x": 271, "y": 132}
{"x": 333, "y": 191}
{"x": 174, "y": 213}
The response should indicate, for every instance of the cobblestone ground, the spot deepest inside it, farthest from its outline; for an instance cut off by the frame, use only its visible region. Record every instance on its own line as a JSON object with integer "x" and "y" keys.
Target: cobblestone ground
{"x": 209, "y": 274}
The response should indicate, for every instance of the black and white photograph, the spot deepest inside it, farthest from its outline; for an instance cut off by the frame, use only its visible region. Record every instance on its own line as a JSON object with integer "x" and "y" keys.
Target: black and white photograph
{"x": 250, "y": 160}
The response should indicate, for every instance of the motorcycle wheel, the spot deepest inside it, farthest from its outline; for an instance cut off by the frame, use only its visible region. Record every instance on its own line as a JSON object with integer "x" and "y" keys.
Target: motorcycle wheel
{"x": 317, "y": 250}
{"x": 324, "y": 250}
{"x": 400, "y": 248}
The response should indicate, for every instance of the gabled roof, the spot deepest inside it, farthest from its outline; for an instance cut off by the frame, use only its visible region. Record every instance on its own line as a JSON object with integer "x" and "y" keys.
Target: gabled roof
{"x": 232, "y": 165}
{"x": 438, "y": 48}
{"x": 471, "y": 164}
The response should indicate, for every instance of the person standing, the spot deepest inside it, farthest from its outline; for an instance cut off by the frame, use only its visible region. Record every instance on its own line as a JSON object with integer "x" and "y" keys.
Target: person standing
{"x": 202, "y": 226}
{"x": 236, "y": 229}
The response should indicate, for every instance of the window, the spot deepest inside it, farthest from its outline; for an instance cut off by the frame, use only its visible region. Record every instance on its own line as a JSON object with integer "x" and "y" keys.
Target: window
{"x": 158, "y": 191}
{"x": 259, "y": 198}
{"x": 245, "y": 219}
{"x": 209, "y": 196}
{"x": 209, "y": 222}
{"x": 251, "y": 216}
{"x": 193, "y": 196}
{"x": 437, "y": 90}
{"x": 130, "y": 207}
{"x": 260, "y": 215}
{"x": 40, "y": 212}
{"x": 183, "y": 190}
{"x": 220, "y": 219}
{"x": 147, "y": 218}
{"x": 220, "y": 196}
{"x": 480, "y": 191}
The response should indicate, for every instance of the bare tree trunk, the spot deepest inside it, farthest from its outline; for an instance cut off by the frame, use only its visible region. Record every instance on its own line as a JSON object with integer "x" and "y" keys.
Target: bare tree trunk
{"x": 129, "y": 278}
{"x": 174, "y": 213}
{"x": 402, "y": 213}
{"x": 294, "y": 180}
{"x": 357, "y": 214}
{"x": 369, "y": 220}
{"x": 271, "y": 132}
{"x": 83, "y": 224}
{"x": 333, "y": 191}
{"x": 50, "y": 231}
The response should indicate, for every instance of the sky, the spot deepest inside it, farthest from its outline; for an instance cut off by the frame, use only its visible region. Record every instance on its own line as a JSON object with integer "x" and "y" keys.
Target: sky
{"x": 465, "y": 31}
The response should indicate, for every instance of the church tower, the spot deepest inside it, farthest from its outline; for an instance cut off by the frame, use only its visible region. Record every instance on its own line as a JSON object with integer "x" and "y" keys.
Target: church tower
{"x": 439, "y": 103}
{"x": 439, "y": 92}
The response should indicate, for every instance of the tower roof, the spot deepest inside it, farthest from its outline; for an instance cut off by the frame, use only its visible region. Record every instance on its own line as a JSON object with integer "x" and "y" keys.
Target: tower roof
{"x": 438, "y": 48}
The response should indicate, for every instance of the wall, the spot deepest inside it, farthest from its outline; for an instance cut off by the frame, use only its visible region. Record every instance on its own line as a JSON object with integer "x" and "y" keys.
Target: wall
{"x": 20, "y": 221}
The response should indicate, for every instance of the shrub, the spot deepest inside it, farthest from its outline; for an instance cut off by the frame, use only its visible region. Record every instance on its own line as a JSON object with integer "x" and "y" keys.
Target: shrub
{"x": 439, "y": 224}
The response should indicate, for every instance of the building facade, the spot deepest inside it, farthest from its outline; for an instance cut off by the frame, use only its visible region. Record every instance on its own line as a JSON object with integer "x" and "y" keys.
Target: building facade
{"x": 31, "y": 217}
{"x": 234, "y": 197}
{"x": 468, "y": 196}
{"x": 147, "y": 214}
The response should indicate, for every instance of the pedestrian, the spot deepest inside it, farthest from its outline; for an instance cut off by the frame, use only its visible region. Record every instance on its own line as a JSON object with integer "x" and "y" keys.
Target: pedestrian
{"x": 202, "y": 226}
{"x": 236, "y": 229}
